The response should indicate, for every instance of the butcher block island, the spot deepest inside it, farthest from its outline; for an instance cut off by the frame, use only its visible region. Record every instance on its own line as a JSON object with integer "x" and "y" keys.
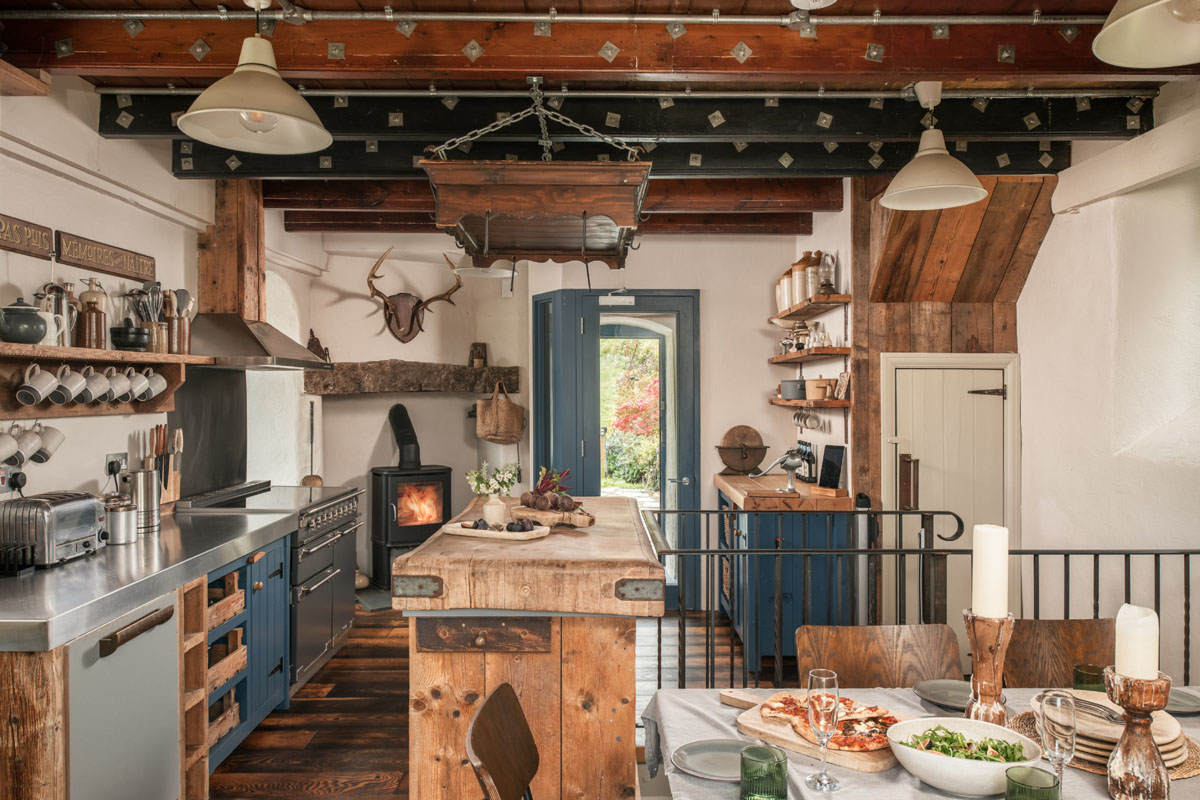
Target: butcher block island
{"x": 556, "y": 618}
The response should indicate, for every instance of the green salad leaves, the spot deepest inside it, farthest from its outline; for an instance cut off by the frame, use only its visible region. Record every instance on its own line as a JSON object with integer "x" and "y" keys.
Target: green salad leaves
{"x": 951, "y": 743}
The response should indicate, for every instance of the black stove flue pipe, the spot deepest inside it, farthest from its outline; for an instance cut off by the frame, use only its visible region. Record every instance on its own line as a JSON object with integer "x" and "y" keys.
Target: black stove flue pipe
{"x": 406, "y": 437}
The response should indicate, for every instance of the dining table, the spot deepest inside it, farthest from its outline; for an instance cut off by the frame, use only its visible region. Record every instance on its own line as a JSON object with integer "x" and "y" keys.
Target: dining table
{"x": 675, "y": 717}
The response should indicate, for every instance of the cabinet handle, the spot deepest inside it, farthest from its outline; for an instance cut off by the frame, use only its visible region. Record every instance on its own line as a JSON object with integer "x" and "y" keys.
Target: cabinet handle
{"x": 257, "y": 557}
{"x": 480, "y": 640}
{"x": 278, "y": 668}
{"x": 306, "y": 590}
{"x": 110, "y": 643}
{"x": 277, "y": 573}
{"x": 258, "y": 585}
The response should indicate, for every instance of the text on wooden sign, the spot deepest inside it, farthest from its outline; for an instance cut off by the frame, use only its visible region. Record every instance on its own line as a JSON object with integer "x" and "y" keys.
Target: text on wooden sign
{"x": 89, "y": 254}
{"x": 20, "y": 236}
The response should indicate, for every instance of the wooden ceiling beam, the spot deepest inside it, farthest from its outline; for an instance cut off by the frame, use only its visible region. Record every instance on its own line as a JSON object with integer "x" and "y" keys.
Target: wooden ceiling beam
{"x": 646, "y": 53}
{"x": 19, "y": 83}
{"x": 793, "y": 224}
{"x": 696, "y": 196}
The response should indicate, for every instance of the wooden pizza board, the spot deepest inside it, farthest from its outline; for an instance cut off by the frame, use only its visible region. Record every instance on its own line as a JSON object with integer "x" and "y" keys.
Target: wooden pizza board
{"x": 456, "y": 529}
{"x": 552, "y": 519}
{"x": 780, "y": 733}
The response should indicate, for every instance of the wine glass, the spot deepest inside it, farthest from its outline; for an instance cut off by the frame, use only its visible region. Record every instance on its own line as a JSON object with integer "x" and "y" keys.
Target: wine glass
{"x": 1058, "y": 731}
{"x": 823, "y": 705}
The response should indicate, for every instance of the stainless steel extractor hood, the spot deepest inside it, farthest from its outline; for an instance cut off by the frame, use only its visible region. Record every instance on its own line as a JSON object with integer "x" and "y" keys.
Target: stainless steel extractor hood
{"x": 235, "y": 343}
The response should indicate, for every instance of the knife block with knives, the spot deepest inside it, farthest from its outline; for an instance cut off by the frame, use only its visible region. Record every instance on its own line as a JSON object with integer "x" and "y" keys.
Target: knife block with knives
{"x": 166, "y": 458}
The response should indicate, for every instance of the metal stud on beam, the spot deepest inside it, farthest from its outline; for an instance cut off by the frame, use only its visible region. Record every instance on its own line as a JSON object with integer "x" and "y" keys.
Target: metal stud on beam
{"x": 133, "y": 27}
{"x": 609, "y": 51}
{"x": 676, "y": 29}
{"x": 336, "y": 51}
{"x": 406, "y": 27}
{"x": 472, "y": 50}
{"x": 742, "y": 52}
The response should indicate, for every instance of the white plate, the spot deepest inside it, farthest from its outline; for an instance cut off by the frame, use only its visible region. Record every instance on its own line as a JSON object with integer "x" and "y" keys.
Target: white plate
{"x": 1183, "y": 702}
{"x": 712, "y": 759}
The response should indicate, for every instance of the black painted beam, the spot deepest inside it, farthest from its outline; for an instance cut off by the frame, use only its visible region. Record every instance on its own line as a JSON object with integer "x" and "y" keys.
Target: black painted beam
{"x": 428, "y": 119}
{"x": 351, "y": 159}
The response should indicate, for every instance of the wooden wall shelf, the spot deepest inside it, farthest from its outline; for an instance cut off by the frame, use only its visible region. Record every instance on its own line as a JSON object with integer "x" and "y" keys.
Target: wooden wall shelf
{"x": 814, "y": 306}
{"x": 779, "y": 401}
{"x": 375, "y": 377}
{"x": 15, "y": 358}
{"x": 810, "y": 354}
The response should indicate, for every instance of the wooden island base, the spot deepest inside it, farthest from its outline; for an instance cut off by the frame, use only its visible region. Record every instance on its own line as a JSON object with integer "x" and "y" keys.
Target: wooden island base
{"x": 555, "y": 617}
{"x": 575, "y": 680}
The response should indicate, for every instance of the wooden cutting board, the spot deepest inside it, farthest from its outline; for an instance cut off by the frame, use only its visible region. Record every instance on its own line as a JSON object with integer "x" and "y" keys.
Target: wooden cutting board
{"x": 576, "y": 519}
{"x": 456, "y": 529}
{"x": 1163, "y": 727}
{"x": 780, "y": 734}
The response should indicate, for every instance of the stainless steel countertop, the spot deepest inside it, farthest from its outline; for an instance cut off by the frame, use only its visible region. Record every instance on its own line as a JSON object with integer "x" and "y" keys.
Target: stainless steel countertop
{"x": 55, "y": 605}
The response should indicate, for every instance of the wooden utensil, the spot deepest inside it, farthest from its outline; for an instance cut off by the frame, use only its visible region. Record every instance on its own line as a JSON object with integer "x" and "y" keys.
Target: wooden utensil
{"x": 781, "y": 734}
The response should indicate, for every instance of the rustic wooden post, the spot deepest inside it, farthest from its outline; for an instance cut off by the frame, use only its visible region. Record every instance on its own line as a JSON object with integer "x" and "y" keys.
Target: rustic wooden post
{"x": 232, "y": 257}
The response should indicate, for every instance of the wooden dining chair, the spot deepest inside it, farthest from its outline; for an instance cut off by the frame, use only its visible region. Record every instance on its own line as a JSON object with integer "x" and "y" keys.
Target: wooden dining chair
{"x": 1043, "y": 652}
{"x": 500, "y": 746}
{"x": 866, "y": 656}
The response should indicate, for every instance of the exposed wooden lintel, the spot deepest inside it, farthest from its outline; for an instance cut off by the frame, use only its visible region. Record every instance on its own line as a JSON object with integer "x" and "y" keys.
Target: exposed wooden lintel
{"x": 645, "y": 53}
{"x": 696, "y": 196}
{"x": 793, "y": 224}
{"x": 16, "y": 82}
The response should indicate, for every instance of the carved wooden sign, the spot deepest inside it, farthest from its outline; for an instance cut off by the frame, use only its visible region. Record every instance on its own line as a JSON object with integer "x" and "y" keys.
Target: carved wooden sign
{"x": 90, "y": 254}
{"x": 20, "y": 236}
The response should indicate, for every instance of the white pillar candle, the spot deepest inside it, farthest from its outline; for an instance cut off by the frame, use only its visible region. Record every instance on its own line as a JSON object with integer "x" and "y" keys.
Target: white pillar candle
{"x": 1137, "y": 643}
{"x": 989, "y": 571}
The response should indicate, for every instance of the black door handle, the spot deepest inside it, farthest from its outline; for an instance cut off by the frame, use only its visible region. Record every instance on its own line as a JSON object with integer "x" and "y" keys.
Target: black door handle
{"x": 278, "y": 668}
{"x": 277, "y": 572}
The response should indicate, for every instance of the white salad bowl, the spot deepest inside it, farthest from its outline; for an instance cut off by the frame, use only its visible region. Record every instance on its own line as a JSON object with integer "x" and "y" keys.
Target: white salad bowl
{"x": 959, "y": 776}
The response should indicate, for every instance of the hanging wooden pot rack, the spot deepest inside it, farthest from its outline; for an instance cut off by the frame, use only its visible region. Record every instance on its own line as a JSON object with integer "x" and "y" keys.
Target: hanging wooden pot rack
{"x": 539, "y": 210}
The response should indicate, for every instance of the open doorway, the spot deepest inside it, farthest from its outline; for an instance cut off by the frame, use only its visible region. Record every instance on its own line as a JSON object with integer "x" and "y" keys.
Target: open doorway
{"x": 638, "y": 384}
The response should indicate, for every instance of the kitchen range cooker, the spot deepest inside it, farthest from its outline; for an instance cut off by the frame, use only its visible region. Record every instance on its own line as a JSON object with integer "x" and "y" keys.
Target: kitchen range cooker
{"x": 322, "y": 564}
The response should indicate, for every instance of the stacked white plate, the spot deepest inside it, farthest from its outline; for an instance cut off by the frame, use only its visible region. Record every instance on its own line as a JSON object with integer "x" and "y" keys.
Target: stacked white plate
{"x": 1095, "y": 737}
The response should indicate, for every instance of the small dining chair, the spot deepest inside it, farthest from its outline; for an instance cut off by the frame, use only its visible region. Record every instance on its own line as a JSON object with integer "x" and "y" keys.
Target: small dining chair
{"x": 1043, "y": 653}
{"x": 866, "y": 656}
{"x": 500, "y": 747}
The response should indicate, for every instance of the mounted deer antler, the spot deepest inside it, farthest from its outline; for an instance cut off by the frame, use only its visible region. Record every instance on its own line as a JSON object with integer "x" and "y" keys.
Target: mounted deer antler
{"x": 404, "y": 312}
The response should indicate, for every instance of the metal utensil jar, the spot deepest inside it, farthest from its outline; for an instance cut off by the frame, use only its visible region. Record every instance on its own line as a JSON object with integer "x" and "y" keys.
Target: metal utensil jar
{"x": 143, "y": 486}
{"x": 122, "y": 524}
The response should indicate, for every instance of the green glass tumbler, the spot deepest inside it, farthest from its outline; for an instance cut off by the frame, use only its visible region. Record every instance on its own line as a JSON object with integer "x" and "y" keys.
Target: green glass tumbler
{"x": 1089, "y": 677}
{"x": 764, "y": 773}
{"x": 1030, "y": 783}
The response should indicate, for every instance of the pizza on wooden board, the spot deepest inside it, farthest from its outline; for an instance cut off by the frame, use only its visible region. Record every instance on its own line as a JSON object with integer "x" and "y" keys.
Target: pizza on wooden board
{"x": 860, "y": 728}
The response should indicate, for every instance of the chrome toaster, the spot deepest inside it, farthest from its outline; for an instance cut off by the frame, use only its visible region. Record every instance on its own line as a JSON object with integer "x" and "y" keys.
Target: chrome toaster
{"x": 48, "y": 529}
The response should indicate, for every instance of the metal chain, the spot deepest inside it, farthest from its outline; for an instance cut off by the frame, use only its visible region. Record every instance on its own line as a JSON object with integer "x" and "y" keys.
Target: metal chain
{"x": 632, "y": 153}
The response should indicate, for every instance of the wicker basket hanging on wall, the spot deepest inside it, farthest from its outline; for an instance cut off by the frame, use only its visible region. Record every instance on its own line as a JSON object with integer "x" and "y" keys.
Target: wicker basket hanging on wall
{"x": 498, "y": 419}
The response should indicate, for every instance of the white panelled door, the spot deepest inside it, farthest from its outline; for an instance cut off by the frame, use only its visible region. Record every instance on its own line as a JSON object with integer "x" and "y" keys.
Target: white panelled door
{"x": 952, "y": 422}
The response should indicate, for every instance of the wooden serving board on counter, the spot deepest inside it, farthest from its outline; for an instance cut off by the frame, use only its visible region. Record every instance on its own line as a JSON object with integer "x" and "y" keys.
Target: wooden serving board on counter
{"x": 552, "y": 519}
{"x": 457, "y": 529}
{"x": 780, "y": 734}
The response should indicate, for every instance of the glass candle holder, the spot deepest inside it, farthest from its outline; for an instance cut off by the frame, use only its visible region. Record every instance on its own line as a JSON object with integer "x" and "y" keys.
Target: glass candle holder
{"x": 764, "y": 773}
{"x": 1030, "y": 783}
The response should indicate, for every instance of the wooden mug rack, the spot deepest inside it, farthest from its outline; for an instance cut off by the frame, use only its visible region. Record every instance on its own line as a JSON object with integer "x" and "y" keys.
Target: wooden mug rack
{"x": 14, "y": 358}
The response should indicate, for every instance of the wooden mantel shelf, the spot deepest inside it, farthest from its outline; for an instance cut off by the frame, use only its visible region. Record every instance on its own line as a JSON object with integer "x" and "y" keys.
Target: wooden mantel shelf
{"x": 379, "y": 377}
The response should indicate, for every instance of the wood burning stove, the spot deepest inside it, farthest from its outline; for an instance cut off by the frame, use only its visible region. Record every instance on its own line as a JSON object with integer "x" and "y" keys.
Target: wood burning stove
{"x": 409, "y": 502}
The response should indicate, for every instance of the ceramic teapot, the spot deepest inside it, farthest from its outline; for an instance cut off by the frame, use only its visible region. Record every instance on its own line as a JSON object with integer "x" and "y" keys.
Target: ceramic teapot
{"x": 21, "y": 323}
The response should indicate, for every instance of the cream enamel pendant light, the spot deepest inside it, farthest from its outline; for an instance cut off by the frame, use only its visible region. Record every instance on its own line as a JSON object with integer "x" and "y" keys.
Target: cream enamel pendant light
{"x": 252, "y": 110}
{"x": 1149, "y": 34}
{"x": 934, "y": 178}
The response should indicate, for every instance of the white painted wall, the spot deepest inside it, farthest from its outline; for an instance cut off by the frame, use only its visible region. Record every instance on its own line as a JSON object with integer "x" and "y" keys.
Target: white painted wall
{"x": 1109, "y": 337}
{"x": 56, "y": 171}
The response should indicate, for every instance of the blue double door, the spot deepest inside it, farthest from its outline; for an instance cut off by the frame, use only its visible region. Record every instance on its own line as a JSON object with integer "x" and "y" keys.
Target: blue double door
{"x": 569, "y": 326}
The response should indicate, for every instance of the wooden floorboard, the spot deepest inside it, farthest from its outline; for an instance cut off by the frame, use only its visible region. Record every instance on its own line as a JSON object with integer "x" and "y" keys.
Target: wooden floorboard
{"x": 346, "y": 733}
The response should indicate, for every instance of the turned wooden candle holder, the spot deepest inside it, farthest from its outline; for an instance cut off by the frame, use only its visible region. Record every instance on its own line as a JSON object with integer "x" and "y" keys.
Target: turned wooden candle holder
{"x": 1135, "y": 769}
{"x": 989, "y": 637}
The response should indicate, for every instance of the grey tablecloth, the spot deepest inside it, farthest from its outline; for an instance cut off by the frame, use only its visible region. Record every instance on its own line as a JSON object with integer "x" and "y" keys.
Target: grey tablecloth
{"x": 675, "y": 717}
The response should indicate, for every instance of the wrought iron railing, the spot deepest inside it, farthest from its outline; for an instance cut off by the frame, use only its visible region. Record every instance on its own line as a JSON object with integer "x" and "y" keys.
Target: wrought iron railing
{"x": 875, "y": 567}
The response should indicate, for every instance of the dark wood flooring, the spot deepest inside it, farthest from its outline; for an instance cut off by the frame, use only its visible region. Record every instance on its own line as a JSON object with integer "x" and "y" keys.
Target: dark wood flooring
{"x": 346, "y": 733}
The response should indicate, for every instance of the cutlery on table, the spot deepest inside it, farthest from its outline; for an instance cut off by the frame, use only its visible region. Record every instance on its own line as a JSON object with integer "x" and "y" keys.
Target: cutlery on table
{"x": 1094, "y": 709}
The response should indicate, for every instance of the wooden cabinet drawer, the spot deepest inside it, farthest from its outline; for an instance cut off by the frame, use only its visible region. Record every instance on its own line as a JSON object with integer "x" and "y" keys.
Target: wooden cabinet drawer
{"x": 483, "y": 634}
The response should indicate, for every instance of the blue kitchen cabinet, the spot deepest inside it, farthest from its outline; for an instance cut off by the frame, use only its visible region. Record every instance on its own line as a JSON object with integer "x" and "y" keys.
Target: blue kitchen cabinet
{"x": 263, "y": 685}
{"x": 748, "y": 584}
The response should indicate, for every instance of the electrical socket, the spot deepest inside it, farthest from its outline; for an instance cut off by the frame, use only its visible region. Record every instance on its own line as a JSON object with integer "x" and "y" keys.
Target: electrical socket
{"x": 120, "y": 458}
{"x": 3, "y": 479}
